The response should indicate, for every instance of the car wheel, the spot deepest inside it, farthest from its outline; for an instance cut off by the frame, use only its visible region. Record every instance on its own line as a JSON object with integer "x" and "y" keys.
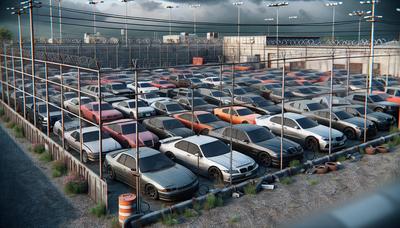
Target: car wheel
{"x": 350, "y": 133}
{"x": 379, "y": 109}
{"x": 215, "y": 174}
{"x": 111, "y": 172}
{"x": 170, "y": 155}
{"x": 205, "y": 131}
{"x": 151, "y": 192}
{"x": 265, "y": 159}
{"x": 312, "y": 144}
{"x": 85, "y": 157}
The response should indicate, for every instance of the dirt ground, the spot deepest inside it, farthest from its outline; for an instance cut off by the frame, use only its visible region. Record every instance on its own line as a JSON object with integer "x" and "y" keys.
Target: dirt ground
{"x": 306, "y": 195}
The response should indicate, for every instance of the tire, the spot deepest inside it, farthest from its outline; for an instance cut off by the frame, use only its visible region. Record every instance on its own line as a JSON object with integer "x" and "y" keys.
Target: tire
{"x": 312, "y": 144}
{"x": 350, "y": 133}
{"x": 151, "y": 191}
{"x": 215, "y": 174}
{"x": 264, "y": 159}
{"x": 378, "y": 109}
{"x": 85, "y": 157}
{"x": 66, "y": 146}
{"x": 170, "y": 155}
{"x": 111, "y": 173}
{"x": 245, "y": 122}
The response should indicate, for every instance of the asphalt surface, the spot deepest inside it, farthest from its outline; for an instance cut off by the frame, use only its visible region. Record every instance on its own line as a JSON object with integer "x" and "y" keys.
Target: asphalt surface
{"x": 27, "y": 196}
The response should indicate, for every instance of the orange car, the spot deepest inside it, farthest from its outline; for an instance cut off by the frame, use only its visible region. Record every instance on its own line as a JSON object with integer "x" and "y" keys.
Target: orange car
{"x": 203, "y": 121}
{"x": 392, "y": 95}
{"x": 240, "y": 115}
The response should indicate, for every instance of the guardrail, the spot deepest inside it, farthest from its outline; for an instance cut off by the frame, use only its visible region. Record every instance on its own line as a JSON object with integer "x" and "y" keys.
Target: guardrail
{"x": 97, "y": 188}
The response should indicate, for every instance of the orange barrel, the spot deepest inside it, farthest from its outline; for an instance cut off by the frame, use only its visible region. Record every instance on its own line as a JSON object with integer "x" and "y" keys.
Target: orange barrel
{"x": 198, "y": 61}
{"x": 125, "y": 206}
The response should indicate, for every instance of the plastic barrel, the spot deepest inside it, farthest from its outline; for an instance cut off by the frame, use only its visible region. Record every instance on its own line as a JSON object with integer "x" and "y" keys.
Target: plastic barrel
{"x": 125, "y": 206}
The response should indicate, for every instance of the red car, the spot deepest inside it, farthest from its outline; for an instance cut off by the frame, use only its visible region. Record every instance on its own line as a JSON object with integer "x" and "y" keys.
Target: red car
{"x": 124, "y": 131}
{"x": 91, "y": 112}
{"x": 162, "y": 84}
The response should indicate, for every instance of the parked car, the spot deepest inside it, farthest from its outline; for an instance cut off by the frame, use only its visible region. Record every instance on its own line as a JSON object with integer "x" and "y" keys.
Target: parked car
{"x": 91, "y": 111}
{"x": 199, "y": 104}
{"x": 72, "y": 104}
{"x": 376, "y": 103}
{"x": 382, "y": 121}
{"x": 162, "y": 84}
{"x": 143, "y": 87}
{"x": 167, "y": 107}
{"x": 276, "y": 95}
{"x": 69, "y": 125}
{"x": 210, "y": 157}
{"x": 90, "y": 143}
{"x": 303, "y": 130}
{"x": 156, "y": 171}
{"x": 336, "y": 101}
{"x": 56, "y": 99}
{"x": 119, "y": 89}
{"x": 41, "y": 115}
{"x": 239, "y": 114}
{"x": 213, "y": 81}
{"x": 165, "y": 127}
{"x": 128, "y": 109}
{"x": 150, "y": 98}
{"x": 258, "y": 142}
{"x": 351, "y": 126}
{"x": 215, "y": 97}
{"x": 302, "y": 106}
{"x": 258, "y": 104}
{"x": 202, "y": 121}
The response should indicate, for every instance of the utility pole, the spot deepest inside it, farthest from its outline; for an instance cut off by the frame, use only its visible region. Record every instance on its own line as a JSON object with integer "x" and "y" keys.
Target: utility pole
{"x": 333, "y": 5}
{"x": 238, "y": 4}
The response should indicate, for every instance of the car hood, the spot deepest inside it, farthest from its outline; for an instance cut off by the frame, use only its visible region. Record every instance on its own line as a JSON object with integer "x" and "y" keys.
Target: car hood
{"x": 238, "y": 160}
{"x": 182, "y": 177}
{"x": 183, "y": 132}
{"x": 143, "y": 136}
{"x": 152, "y": 100}
{"x": 52, "y": 114}
{"x": 387, "y": 103}
{"x": 206, "y": 107}
{"x": 145, "y": 109}
{"x": 272, "y": 109}
{"x": 324, "y": 131}
{"x": 380, "y": 116}
{"x": 274, "y": 144}
{"x": 218, "y": 124}
{"x": 359, "y": 122}
{"x": 108, "y": 145}
{"x": 121, "y": 91}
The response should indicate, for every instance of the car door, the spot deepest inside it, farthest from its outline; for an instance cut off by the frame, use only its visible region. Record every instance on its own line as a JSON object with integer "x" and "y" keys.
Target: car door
{"x": 194, "y": 158}
{"x": 292, "y": 130}
{"x": 180, "y": 152}
{"x": 241, "y": 141}
{"x": 275, "y": 124}
{"x": 129, "y": 171}
{"x": 74, "y": 140}
{"x": 118, "y": 167}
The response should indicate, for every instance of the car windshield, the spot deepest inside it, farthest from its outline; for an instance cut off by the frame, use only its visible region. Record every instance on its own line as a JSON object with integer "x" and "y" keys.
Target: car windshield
{"x": 261, "y": 101}
{"x": 118, "y": 86}
{"x": 305, "y": 90}
{"x": 162, "y": 82}
{"x": 132, "y": 104}
{"x": 42, "y": 108}
{"x": 218, "y": 94}
{"x": 94, "y": 136}
{"x": 316, "y": 106}
{"x": 104, "y": 107}
{"x": 69, "y": 96}
{"x": 376, "y": 98}
{"x": 244, "y": 112}
{"x": 215, "y": 148}
{"x": 206, "y": 118}
{"x": 259, "y": 135}
{"x": 155, "y": 162}
{"x": 195, "y": 80}
{"x": 306, "y": 123}
{"x": 239, "y": 91}
{"x": 85, "y": 100}
{"x": 150, "y": 95}
{"x": 342, "y": 115}
{"x": 198, "y": 102}
{"x": 172, "y": 124}
{"x": 173, "y": 107}
{"x": 145, "y": 85}
{"x": 361, "y": 110}
{"x": 130, "y": 128}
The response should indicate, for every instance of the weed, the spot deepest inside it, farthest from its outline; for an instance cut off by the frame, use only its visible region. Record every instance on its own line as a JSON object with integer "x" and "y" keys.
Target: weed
{"x": 212, "y": 201}
{"x": 395, "y": 140}
{"x": 6, "y": 119}
{"x": 294, "y": 163}
{"x": 341, "y": 159}
{"x": 393, "y": 129}
{"x": 286, "y": 180}
{"x": 19, "y": 131}
{"x": 313, "y": 182}
{"x": 196, "y": 206}
{"x": 59, "y": 168}
{"x": 99, "y": 210}
{"x": 2, "y": 112}
{"x": 74, "y": 184}
{"x": 170, "y": 220}
{"x": 39, "y": 148}
{"x": 189, "y": 213}
{"x": 45, "y": 157}
{"x": 10, "y": 125}
{"x": 250, "y": 189}
{"x": 361, "y": 150}
{"x": 234, "y": 219}
{"x": 115, "y": 223}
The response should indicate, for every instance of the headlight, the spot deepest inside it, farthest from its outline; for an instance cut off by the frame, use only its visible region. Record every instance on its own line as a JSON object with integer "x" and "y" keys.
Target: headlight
{"x": 325, "y": 139}
{"x": 232, "y": 172}
{"x": 167, "y": 190}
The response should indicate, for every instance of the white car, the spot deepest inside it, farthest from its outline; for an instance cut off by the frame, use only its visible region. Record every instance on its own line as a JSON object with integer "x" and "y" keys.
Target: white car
{"x": 143, "y": 87}
{"x": 72, "y": 104}
{"x": 128, "y": 108}
{"x": 150, "y": 98}
{"x": 214, "y": 81}
{"x": 90, "y": 143}
{"x": 210, "y": 157}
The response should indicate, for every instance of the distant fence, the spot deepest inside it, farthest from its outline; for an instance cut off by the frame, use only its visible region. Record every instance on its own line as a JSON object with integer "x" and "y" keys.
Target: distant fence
{"x": 97, "y": 188}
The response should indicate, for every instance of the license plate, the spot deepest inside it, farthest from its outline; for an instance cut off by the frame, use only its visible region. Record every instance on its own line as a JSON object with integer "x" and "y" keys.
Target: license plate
{"x": 147, "y": 114}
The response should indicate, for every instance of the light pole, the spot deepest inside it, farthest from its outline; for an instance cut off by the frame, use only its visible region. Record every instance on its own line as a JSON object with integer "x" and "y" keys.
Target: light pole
{"x": 94, "y": 3}
{"x": 360, "y": 14}
{"x": 268, "y": 20}
{"x": 194, "y": 7}
{"x": 293, "y": 17}
{"x": 126, "y": 20}
{"x": 51, "y": 20}
{"x": 277, "y": 6}
{"x": 333, "y": 5}
{"x": 60, "y": 20}
{"x": 238, "y": 4}
{"x": 169, "y": 7}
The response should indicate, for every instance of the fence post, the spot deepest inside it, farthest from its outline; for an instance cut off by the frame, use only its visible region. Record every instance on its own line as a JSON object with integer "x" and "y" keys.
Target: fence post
{"x": 46, "y": 73}
{"x": 282, "y": 109}
{"x": 14, "y": 76}
{"x": 2, "y": 79}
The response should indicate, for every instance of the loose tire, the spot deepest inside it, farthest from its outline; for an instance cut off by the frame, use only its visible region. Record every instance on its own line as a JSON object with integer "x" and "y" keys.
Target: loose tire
{"x": 215, "y": 174}
{"x": 151, "y": 191}
{"x": 350, "y": 133}
{"x": 265, "y": 159}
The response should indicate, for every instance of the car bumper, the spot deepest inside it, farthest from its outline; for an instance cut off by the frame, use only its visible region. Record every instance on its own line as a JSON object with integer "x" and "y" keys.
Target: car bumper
{"x": 336, "y": 145}
{"x": 371, "y": 132}
{"x": 276, "y": 161}
{"x": 179, "y": 194}
{"x": 239, "y": 177}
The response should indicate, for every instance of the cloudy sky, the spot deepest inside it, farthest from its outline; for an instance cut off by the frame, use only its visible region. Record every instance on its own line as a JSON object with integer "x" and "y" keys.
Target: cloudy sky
{"x": 213, "y": 15}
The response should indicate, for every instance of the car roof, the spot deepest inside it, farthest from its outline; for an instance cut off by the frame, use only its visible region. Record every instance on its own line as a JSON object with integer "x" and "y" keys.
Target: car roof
{"x": 143, "y": 152}
{"x": 163, "y": 118}
{"x": 246, "y": 127}
{"x": 121, "y": 121}
{"x": 89, "y": 129}
{"x": 292, "y": 115}
{"x": 200, "y": 139}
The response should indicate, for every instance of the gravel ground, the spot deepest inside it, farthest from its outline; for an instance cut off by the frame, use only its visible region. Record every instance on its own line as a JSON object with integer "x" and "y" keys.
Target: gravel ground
{"x": 30, "y": 196}
{"x": 306, "y": 195}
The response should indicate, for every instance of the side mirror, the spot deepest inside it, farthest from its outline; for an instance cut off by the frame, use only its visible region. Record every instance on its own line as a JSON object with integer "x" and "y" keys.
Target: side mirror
{"x": 198, "y": 155}
{"x": 246, "y": 141}
{"x": 133, "y": 169}
{"x": 296, "y": 127}
{"x": 335, "y": 119}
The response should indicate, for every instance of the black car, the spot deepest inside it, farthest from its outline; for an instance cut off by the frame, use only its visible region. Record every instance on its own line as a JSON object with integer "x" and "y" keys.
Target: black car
{"x": 382, "y": 121}
{"x": 376, "y": 103}
{"x": 199, "y": 104}
{"x": 165, "y": 127}
{"x": 258, "y": 142}
{"x": 41, "y": 115}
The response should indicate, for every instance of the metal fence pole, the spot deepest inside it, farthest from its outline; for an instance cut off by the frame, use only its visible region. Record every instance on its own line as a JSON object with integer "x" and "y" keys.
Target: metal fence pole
{"x": 32, "y": 37}
{"x": 62, "y": 101}
{"x": 282, "y": 110}
{"x": 46, "y": 74}
{"x": 14, "y": 76}
{"x": 348, "y": 72}
{"x": 100, "y": 124}
{"x": 330, "y": 102}
{"x": 7, "y": 77}
{"x": 137, "y": 173}
{"x": 231, "y": 125}
{"x": 2, "y": 79}
{"x": 387, "y": 73}
{"x": 221, "y": 61}
{"x": 22, "y": 63}
{"x": 80, "y": 116}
